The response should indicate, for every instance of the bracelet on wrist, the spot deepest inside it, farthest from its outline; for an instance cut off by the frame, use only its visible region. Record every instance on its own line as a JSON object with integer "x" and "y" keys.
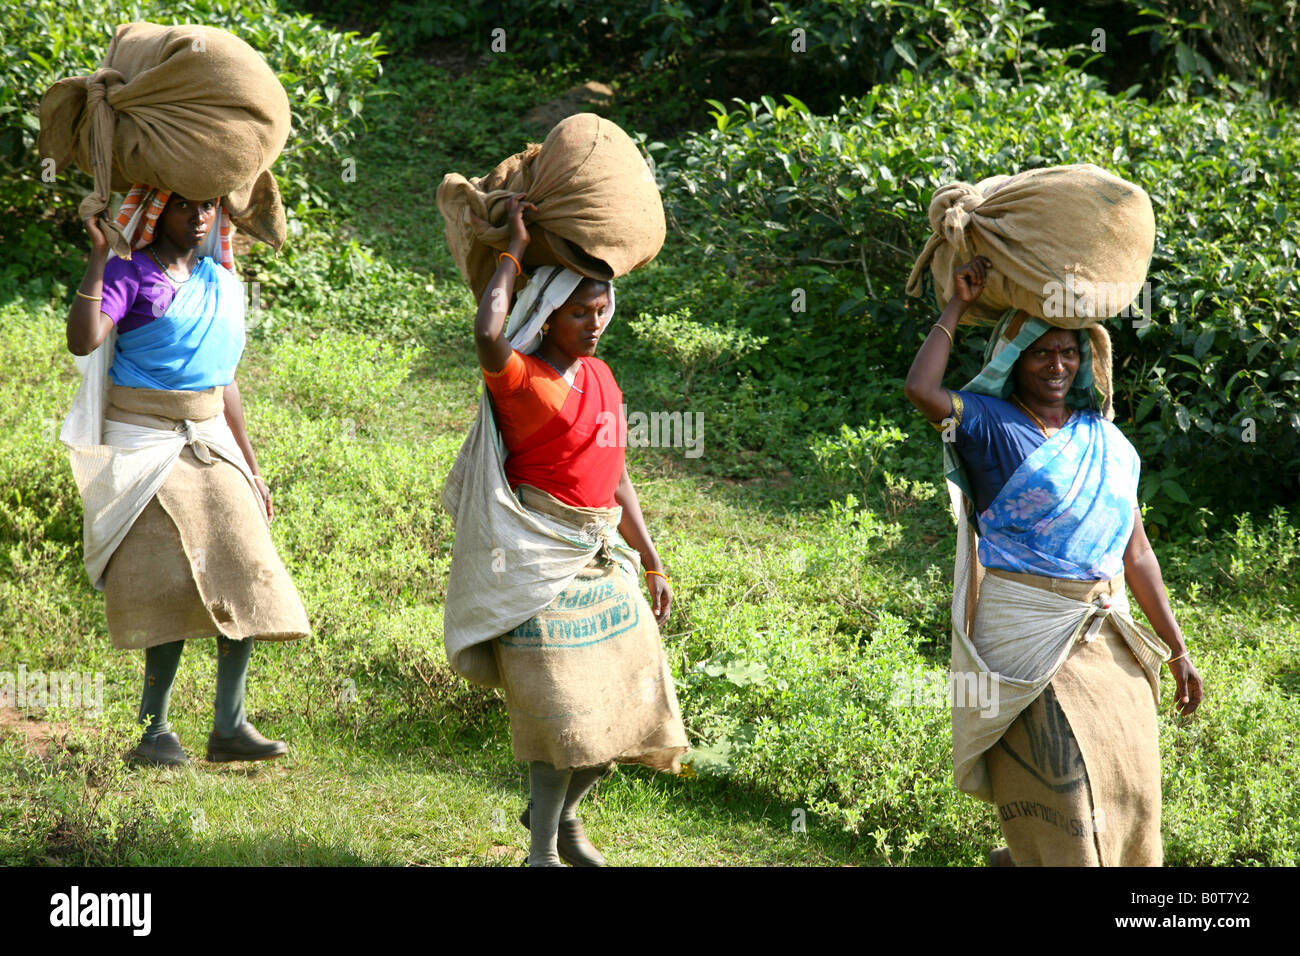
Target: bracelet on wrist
{"x": 660, "y": 573}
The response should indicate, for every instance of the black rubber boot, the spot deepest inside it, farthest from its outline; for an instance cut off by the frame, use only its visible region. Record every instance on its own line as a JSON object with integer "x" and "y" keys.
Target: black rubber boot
{"x": 571, "y": 843}
{"x": 246, "y": 744}
{"x": 162, "y": 751}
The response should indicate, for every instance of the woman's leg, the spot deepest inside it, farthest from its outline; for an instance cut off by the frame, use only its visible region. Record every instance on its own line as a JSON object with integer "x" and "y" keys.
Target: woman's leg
{"x": 547, "y": 792}
{"x": 580, "y": 784}
{"x": 567, "y": 839}
{"x": 160, "y": 663}
{"x": 233, "y": 737}
{"x": 572, "y": 841}
{"x": 158, "y": 746}
{"x": 232, "y": 671}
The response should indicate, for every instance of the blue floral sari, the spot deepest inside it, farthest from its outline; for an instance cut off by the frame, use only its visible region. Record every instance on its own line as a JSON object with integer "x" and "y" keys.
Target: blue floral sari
{"x": 1067, "y": 511}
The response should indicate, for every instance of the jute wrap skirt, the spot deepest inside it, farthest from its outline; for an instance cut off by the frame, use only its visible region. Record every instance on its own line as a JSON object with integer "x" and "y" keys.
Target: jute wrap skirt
{"x": 199, "y": 560}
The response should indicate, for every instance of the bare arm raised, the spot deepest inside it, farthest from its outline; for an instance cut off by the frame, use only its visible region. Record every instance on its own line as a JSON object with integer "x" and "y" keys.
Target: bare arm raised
{"x": 87, "y": 325}
{"x": 924, "y": 385}
{"x": 489, "y": 325}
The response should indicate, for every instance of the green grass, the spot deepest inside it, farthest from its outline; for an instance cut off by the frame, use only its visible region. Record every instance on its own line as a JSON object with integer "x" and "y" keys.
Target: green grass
{"x": 793, "y": 616}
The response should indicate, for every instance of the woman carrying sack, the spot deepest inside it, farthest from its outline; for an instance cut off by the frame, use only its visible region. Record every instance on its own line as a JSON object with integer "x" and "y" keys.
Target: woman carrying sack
{"x": 176, "y": 513}
{"x": 544, "y": 598}
{"x": 1054, "y": 685}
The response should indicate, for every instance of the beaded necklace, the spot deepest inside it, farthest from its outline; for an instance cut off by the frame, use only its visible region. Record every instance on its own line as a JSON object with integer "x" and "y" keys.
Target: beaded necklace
{"x": 166, "y": 271}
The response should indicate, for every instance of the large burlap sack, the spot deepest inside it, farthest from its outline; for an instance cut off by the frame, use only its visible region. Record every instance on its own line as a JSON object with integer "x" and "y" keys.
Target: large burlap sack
{"x": 598, "y": 206}
{"x": 191, "y": 109}
{"x": 1069, "y": 244}
{"x": 586, "y": 679}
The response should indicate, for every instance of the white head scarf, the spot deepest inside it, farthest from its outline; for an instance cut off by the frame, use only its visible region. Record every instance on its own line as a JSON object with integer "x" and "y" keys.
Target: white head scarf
{"x": 547, "y": 290}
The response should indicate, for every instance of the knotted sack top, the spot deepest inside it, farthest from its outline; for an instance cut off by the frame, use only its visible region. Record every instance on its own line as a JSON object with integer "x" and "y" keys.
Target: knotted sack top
{"x": 1069, "y": 244}
{"x": 191, "y": 109}
{"x": 598, "y": 208}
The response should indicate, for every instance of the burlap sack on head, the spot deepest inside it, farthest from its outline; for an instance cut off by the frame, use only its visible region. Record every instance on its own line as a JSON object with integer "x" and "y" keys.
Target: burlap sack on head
{"x": 191, "y": 109}
{"x": 598, "y": 206}
{"x": 1069, "y": 244}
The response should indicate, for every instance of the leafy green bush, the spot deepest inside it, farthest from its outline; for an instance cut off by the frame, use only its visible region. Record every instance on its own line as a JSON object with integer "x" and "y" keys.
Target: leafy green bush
{"x": 1256, "y": 44}
{"x": 848, "y": 460}
{"x": 822, "y": 48}
{"x": 345, "y": 376}
{"x": 797, "y": 679}
{"x": 692, "y": 346}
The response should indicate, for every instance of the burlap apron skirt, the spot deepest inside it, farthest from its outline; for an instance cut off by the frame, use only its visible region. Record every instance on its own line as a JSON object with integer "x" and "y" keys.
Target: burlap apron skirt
{"x": 199, "y": 560}
{"x": 586, "y": 680}
{"x": 1076, "y": 777}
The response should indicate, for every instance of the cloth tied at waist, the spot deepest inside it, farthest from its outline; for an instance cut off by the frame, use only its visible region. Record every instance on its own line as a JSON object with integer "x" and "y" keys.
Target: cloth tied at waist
{"x": 1103, "y": 598}
{"x": 595, "y": 527}
{"x": 143, "y": 433}
{"x": 189, "y": 429}
{"x": 1024, "y": 629}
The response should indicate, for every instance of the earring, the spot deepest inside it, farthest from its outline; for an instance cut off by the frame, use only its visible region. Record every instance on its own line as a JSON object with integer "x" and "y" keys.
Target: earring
{"x": 546, "y": 327}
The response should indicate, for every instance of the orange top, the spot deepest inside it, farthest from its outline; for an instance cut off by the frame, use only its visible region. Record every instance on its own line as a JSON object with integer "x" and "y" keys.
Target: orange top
{"x": 565, "y": 439}
{"x": 526, "y": 394}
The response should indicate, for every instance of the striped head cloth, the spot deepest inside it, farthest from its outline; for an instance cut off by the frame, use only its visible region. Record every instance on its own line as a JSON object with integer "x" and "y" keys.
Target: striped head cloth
{"x": 138, "y": 219}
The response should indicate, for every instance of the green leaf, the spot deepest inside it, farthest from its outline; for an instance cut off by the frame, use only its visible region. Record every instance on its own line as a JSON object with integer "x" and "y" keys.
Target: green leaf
{"x": 712, "y": 759}
{"x": 746, "y": 673}
{"x": 905, "y": 52}
{"x": 1175, "y": 491}
{"x": 1204, "y": 342}
{"x": 1145, "y": 406}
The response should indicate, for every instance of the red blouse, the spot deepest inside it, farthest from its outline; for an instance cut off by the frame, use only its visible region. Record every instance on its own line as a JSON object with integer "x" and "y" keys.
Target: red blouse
{"x": 565, "y": 440}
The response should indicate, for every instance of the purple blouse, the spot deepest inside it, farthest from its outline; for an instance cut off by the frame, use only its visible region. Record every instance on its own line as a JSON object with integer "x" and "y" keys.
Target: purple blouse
{"x": 135, "y": 291}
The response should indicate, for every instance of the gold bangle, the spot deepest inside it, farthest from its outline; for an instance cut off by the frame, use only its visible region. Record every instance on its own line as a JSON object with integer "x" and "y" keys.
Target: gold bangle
{"x": 92, "y": 298}
{"x": 660, "y": 573}
{"x": 951, "y": 341}
{"x": 1178, "y": 658}
{"x": 519, "y": 270}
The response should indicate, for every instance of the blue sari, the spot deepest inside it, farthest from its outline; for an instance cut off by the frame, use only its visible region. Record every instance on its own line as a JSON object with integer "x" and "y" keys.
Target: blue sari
{"x": 195, "y": 345}
{"x": 1067, "y": 510}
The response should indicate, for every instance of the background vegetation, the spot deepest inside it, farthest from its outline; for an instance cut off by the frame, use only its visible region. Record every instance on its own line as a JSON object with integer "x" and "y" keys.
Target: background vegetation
{"x": 809, "y": 549}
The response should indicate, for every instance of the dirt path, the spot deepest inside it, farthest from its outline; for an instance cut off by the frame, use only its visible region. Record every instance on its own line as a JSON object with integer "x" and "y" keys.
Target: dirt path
{"x": 36, "y": 736}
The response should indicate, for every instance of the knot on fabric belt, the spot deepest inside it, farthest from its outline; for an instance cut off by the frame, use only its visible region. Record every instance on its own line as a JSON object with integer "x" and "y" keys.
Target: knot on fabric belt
{"x": 1099, "y": 611}
{"x": 598, "y": 533}
{"x": 190, "y": 431}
